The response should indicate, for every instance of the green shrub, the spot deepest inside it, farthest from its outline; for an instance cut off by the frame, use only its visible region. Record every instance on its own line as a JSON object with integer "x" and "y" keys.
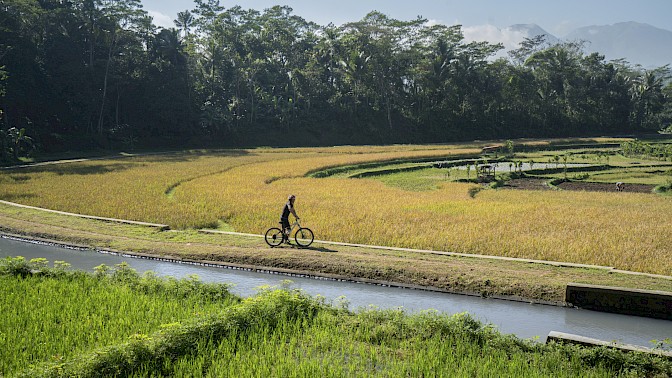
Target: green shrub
{"x": 16, "y": 266}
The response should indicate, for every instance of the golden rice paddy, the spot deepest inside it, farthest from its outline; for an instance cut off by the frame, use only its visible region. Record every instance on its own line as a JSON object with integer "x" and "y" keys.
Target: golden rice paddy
{"x": 247, "y": 188}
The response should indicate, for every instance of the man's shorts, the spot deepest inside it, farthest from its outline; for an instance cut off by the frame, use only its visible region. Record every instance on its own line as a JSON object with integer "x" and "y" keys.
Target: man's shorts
{"x": 285, "y": 222}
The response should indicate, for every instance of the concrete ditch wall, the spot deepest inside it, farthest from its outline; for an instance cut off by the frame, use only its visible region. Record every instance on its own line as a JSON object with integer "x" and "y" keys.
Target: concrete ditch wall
{"x": 568, "y": 338}
{"x": 647, "y": 303}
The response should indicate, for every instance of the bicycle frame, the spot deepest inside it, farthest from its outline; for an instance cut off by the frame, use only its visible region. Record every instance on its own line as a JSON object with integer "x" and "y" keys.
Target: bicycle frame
{"x": 293, "y": 227}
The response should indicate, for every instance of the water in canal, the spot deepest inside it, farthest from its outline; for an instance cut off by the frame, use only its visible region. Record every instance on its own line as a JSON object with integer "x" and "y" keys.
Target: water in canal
{"x": 522, "y": 319}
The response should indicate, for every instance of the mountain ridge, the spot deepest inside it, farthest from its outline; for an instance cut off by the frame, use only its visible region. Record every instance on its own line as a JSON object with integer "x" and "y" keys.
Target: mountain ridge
{"x": 637, "y": 43}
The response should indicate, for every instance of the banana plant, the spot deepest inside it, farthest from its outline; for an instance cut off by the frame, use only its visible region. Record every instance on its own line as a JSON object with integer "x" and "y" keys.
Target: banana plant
{"x": 14, "y": 142}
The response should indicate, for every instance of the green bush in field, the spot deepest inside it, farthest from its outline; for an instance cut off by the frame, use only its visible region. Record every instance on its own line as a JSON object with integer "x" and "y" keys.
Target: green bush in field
{"x": 664, "y": 188}
{"x": 16, "y": 266}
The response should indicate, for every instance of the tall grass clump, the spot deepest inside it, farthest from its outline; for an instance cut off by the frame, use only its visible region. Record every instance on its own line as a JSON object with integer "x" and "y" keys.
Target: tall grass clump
{"x": 51, "y": 314}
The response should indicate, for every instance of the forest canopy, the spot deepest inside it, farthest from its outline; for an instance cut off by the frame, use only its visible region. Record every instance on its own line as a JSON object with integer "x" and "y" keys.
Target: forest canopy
{"x": 77, "y": 74}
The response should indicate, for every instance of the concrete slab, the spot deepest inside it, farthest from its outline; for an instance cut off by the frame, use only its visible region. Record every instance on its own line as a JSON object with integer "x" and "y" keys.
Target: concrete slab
{"x": 561, "y": 337}
{"x": 647, "y": 303}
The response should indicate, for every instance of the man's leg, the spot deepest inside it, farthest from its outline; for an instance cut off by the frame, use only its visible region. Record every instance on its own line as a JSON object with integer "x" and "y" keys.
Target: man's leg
{"x": 285, "y": 228}
{"x": 287, "y": 231}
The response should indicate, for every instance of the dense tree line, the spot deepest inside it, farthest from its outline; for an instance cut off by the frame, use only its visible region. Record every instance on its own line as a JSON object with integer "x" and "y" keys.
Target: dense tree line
{"x": 98, "y": 73}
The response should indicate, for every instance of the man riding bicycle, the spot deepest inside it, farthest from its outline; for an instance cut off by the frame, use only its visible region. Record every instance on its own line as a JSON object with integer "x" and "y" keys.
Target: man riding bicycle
{"x": 284, "y": 218}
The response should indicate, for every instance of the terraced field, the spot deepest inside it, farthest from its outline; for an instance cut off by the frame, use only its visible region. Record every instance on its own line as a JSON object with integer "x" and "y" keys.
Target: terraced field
{"x": 243, "y": 190}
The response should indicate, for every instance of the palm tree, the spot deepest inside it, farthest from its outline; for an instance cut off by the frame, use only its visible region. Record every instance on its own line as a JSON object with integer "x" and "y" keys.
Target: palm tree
{"x": 170, "y": 47}
{"x": 184, "y": 22}
{"x": 648, "y": 99}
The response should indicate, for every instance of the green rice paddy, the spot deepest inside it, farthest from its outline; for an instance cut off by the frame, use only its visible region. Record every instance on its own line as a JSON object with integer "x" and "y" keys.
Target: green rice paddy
{"x": 57, "y": 323}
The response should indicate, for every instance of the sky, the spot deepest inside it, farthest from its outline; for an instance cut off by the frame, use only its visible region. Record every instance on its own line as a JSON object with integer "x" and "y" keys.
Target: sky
{"x": 480, "y": 19}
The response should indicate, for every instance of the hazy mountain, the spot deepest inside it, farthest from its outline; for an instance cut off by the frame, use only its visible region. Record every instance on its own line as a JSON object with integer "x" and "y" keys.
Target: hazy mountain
{"x": 530, "y": 30}
{"x": 635, "y": 42}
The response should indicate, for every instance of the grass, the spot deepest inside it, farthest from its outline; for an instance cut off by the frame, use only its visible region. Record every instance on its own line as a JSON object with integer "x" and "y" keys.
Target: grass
{"x": 60, "y": 314}
{"x": 423, "y": 179}
{"x": 279, "y": 332}
{"x": 336, "y": 345}
{"x": 387, "y": 344}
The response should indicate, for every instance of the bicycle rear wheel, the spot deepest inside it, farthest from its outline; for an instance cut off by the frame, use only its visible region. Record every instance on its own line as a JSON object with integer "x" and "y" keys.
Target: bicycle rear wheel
{"x": 304, "y": 237}
{"x": 273, "y": 236}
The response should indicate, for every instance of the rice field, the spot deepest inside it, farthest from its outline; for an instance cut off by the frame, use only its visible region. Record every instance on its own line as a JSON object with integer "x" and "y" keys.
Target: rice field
{"x": 245, "y": 190}
{"x": 85, "y": 327}
{"x": 376, "y": 344}
{"x": 51, "y": 318}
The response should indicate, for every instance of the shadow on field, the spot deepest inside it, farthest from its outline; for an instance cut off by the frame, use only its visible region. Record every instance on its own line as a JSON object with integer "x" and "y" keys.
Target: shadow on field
{"x": 115, "y": 163}
{"x": 19, "y": 178}
{"x": 82, "y": 170}
{"x": 316, "y": 249}
{"x": 191, "y": 155}
{"x": 17, "y": 197}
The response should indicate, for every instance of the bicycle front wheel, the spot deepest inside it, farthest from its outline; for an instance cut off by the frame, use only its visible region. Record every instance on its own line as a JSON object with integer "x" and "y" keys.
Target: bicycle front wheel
{"x": 273, "y": 236}
{"x": 304, "y": 237}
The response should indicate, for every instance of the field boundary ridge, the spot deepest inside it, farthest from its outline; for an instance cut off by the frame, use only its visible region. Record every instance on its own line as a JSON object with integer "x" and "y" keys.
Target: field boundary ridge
{"x": 162, "y": 227}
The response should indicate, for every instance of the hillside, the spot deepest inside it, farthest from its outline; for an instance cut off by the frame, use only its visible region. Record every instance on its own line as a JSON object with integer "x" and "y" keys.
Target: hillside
{"x": 635, "y": 42}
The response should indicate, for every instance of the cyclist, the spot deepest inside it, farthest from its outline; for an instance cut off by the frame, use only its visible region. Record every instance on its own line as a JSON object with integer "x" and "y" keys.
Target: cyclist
{"x": 284, "y": 218}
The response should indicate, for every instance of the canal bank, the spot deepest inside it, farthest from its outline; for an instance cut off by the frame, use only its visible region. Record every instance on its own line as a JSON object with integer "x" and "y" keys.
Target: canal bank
{"x": 525, "y": 320}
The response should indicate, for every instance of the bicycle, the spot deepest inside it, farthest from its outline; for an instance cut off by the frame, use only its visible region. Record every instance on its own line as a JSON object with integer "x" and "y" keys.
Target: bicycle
{"x": 303, "y": 236}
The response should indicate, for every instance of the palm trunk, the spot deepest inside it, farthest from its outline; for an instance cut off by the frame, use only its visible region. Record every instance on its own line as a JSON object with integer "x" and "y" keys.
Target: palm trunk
{"x": 116, "y": 108}
{"x": 389, "y": 113}
{"x": 107, "y": 74}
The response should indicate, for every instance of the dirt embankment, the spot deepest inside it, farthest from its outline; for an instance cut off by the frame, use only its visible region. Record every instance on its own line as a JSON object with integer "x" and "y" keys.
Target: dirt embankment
{"x": 605, "y": 187}
{"x": 541, "y": 184}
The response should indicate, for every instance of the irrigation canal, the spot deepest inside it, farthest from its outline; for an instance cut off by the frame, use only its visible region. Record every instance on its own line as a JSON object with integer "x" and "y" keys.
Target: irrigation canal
{"x": 522, "y": 319}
